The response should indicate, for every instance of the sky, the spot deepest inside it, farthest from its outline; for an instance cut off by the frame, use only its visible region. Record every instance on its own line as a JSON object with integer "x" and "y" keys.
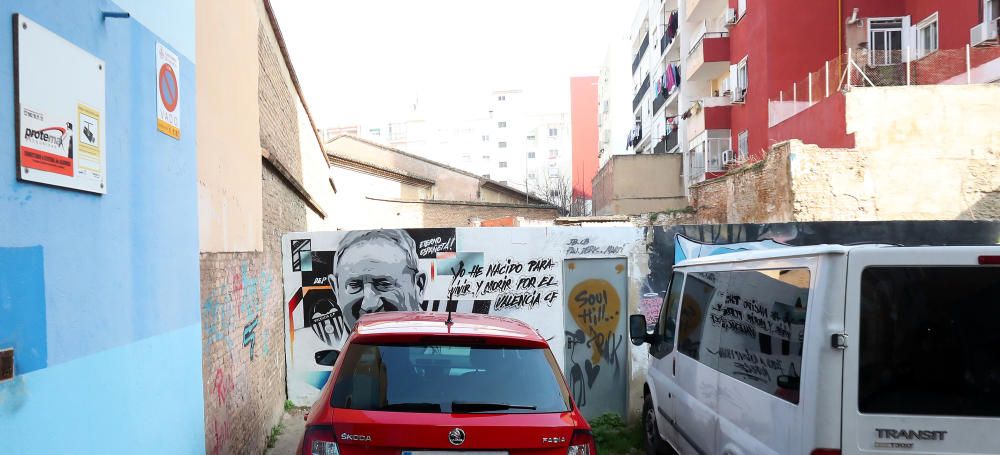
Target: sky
{"x": 369, "y": 61}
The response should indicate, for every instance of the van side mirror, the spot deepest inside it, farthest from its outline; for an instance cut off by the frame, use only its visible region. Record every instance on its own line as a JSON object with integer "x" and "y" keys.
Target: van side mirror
{"x": 327, "y": 357}
{"x": 637, "y": 329}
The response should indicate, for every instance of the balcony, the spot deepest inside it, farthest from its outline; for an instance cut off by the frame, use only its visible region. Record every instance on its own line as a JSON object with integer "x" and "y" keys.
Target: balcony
{"x": 640, "y": 53}
{"x": 706, "y": 156}
{"x": 698, "y": 10}
{"x": 641, "y": 92}
{"x": 709, "y": 57}
{"x": 715, "y": 114}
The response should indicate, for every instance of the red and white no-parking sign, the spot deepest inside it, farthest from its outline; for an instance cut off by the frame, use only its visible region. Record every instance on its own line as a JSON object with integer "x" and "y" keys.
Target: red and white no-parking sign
{"x": 168, "y": 92}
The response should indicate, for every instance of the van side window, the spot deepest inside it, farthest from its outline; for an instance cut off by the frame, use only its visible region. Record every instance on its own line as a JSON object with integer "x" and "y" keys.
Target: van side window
{"x": 928, "y": 341}
{"x": 697, "y": 338}
{"x": 666, "y": 326}
{"x": 762, "y": 320}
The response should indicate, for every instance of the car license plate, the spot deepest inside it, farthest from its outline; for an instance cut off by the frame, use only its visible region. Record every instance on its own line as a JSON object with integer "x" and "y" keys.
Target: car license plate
{"x": 453, "y": 452}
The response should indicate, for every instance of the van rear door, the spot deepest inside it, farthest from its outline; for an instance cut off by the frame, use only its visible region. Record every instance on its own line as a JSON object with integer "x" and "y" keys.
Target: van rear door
{"x": 922, "y": 363}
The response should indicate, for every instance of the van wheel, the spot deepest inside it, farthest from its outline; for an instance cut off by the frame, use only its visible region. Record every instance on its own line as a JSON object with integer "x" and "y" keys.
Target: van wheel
{"x": 654, "y": 444}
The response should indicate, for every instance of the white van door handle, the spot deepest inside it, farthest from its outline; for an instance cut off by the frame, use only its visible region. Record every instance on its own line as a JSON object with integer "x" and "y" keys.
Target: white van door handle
{"x": 675, "y": 366}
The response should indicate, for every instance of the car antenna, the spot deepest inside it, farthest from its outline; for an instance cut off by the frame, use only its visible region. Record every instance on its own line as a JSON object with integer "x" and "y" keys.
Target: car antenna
{"x": 449, "y": 321}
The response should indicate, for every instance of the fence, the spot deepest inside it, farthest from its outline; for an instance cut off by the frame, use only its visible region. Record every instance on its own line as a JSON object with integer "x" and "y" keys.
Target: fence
{"x": 865, "y": 68}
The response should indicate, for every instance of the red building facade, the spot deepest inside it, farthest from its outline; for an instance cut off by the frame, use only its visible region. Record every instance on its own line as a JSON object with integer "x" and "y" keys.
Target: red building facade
{"x": 583, "y": 118}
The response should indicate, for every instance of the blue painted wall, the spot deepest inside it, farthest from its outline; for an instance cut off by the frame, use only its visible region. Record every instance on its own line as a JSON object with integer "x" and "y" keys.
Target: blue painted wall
{"x": 99, "y": 294}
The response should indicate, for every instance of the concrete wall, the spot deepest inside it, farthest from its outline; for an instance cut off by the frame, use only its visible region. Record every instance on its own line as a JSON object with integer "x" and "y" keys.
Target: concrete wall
{"x": 229, "y": 190}
{"x": 98, "y": 292}
{"x": 634, "y": 184}
{"x": 451, "y": 214}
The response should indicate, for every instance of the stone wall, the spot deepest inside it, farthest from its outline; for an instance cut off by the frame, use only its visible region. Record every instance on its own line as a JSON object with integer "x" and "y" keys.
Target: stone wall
{"x": 914, "y": 160}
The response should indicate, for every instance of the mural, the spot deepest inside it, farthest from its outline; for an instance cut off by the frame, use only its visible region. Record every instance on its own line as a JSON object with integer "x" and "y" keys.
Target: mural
{"x": 334, "y": 278}
{"x": 595, "y": 334}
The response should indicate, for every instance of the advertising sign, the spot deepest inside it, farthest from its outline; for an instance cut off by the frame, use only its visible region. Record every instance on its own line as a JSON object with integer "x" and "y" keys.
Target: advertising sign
{"x": 60, "y": 126}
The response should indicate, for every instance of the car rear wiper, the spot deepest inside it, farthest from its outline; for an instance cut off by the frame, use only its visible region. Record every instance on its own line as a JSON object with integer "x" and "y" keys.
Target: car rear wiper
{"x": 464, "y": 406}
{"x": 412, "y": 407}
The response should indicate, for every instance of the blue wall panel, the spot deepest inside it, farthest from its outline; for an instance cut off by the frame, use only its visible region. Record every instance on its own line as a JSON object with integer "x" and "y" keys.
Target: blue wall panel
{"x": 118, "y": 287}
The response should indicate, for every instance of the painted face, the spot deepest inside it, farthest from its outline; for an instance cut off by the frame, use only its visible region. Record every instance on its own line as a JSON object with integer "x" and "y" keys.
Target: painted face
{"x": 373, "y": 276}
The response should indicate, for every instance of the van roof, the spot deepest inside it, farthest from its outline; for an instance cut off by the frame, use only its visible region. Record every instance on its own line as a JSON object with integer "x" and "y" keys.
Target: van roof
{"x": 777, "y": 253}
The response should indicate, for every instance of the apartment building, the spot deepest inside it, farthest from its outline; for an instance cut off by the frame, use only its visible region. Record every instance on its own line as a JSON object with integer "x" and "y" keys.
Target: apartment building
{"x": 614, "y": 111}
{"x": 756, "y": 72}
{"x": 510, "y": 141}
{"x": 583, "y": 124}
{"x": 656, "y": 78}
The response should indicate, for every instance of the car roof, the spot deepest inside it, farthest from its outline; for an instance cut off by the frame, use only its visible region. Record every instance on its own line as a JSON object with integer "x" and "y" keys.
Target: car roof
{"x": 777, "y": 253}
{"x": 415, "y": 325}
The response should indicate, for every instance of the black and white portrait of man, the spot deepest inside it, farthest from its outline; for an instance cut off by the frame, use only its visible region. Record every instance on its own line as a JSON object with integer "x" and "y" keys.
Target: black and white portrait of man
{"x": 373, "y": 271}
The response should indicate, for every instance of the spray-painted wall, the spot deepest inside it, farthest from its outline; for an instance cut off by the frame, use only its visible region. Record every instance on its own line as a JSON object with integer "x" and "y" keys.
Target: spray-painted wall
{"x": 467, "y": 269}
{"x": 516, "y": 272}
{"x": 98, "y": 293}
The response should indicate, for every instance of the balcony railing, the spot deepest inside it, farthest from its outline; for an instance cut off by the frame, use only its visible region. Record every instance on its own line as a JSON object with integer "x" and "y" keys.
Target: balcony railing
{"x": 658, "y": 102}
{"x": 640, "y": 93}
{"x": 642, "y": 51}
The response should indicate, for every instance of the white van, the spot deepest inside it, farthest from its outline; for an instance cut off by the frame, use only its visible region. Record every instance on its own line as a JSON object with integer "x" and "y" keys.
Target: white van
{"x": 827, "y": 350}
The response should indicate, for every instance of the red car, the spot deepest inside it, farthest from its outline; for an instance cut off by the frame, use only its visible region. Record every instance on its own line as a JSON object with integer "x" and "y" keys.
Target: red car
{"x": 410, "y": 383}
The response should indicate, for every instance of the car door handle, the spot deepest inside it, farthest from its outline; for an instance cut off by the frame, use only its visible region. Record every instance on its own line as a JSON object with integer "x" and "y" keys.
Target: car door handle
{"x": 675, "y": 366}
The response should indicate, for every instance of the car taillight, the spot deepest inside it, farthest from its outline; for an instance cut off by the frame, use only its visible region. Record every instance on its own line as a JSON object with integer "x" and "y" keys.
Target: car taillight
{"x": 989, "y": 260}
{"x": 319, "y": 440}
{"x": 582, "y": 443}
{"x": 825, "y": 452}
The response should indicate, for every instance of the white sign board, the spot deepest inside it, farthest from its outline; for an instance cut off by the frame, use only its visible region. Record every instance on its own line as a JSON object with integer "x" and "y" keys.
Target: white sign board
{"x": 168, "y": 92}
{"x": 60, "y": 106}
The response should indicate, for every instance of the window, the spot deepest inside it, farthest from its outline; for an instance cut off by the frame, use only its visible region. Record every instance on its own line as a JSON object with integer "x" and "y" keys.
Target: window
{"x": 928, "y": 341}
{"x": 486, "y": 157}
{"x": 553, "y": 154}
{"x": 761, "y": 322}
{"x": 553, "y": 172}
{"x": 743, "y": 144}
{"x": 502, "y": 145}
{"x": 554, "y": 193}
{"x": 885, "y": 41}
{"x": 438, "y": 379}
{"x": 501, "y": 98}
{"x": 503, "y": 164}
{"x": 531, "y": 155}
{"x": 531, "y": 137}
{"x": 553, "y": 132}
{"x": 531, "y": 176}
{"x": 927, "y": 35}
{"x": 696, "y": 337}
{"x": 375, "y": 131}
{"x": 739, "y": 80}
{"x": 741, "y": 8}
{"x": 501, "y": 124}
{"x": 486, "y": 176}
{"x": 666, "y": 324}
{"x": 486, "y": 138}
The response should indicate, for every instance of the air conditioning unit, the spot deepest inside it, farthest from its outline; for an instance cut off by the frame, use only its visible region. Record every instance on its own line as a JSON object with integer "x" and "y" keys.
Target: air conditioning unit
{"x": 728, "y": 157}
{"x": 983, "y": 33}
{"x": 731, "y": 16}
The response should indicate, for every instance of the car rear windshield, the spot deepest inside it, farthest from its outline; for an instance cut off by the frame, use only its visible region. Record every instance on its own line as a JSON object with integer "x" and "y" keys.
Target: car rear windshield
{"x": 929, "y": 341}
{"x": 449, "y": 379}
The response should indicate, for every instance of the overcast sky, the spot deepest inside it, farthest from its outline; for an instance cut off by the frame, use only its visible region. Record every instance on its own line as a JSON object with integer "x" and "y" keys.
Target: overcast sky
{"x": 368, "y": 60}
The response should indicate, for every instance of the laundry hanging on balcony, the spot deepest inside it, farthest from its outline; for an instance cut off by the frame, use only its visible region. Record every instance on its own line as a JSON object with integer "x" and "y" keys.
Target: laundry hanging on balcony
{"x": 670, "y": 125}
{"x": 669, "y": 81}
{"x": 672, "y": 25}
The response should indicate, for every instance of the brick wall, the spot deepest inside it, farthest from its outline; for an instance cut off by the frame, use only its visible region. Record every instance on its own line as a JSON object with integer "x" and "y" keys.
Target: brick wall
{"x": 279, "y": 131}
{"x": 459, "y": 215}
{"x": 757, "y": 193}
{"x": 243, "y": 322}
{"x": 242, "y": 348}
